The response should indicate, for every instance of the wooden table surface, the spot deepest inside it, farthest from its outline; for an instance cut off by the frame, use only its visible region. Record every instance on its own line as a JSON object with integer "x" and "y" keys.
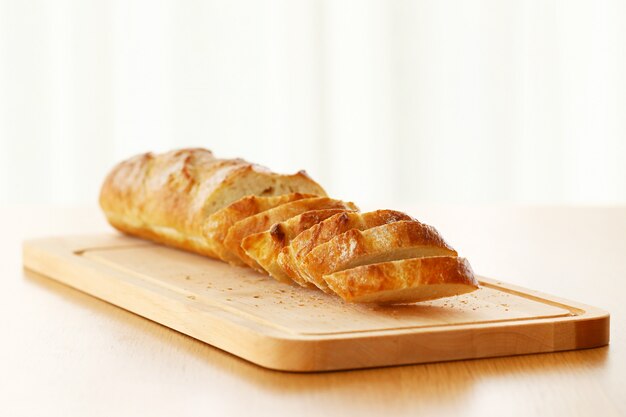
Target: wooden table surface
{"x": 65, "y": 353}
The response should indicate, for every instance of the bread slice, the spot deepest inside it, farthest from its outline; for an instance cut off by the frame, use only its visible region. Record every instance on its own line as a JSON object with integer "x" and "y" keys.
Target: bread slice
{"x": 404, "y": 281}
{"x": 265, "y": 247}
{"x": 168, "y": 197}
{"x": 390, "y": 242}
{"x": 217, "y": 225}
{"x": 264, "y": 220}
{"x": 305, "y": 242}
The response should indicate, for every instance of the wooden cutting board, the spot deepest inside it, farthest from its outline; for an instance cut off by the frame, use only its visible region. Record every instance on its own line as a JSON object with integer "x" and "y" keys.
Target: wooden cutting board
{"x": 295, "y": 329}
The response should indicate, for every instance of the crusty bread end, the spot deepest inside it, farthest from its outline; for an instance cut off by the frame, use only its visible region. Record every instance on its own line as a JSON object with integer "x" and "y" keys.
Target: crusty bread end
{"x": 404, "y": 281}
{"x": 389, "y": 242}
{"x": 168, "y": 197}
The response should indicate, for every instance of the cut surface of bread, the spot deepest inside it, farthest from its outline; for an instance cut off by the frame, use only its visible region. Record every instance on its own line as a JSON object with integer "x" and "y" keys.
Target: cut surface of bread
{"x": 263, "y": 221}
{"x": 168, "y": 197}
{"x": 404, "y": 281}
{"x": 305, "y": 242}
{"x": 217, "y": 225}
{"x": 389, "y": 242}
{"x": 265, "y": 247}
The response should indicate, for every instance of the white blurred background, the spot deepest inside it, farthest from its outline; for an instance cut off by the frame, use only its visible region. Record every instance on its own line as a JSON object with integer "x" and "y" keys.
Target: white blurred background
{"x": 383, "y": 102}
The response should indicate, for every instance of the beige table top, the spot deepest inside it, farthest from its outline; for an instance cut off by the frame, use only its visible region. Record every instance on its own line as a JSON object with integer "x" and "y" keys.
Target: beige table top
{"x": 65, "y": 353}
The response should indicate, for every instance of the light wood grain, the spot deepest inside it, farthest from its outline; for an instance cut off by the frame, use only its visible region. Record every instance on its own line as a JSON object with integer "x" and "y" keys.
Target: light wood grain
{"x": 291, "y": 328}
{"x": 67, "y": 353}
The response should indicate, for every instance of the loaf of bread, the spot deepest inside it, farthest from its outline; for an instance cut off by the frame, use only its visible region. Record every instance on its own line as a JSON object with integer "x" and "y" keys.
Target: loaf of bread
{"x": 169, "y": 197}
{"x": 282, "y": 225}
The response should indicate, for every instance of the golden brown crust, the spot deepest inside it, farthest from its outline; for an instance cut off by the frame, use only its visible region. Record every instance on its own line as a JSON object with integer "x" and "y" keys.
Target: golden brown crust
{"x": 408, "y": 280}
{"x": 265, "y": 247}
{"x": 321, "y": 233}
{"x": 393, "y": 241}
{"x": 263, "y": 221}
{"x": 217, "y": 225}
{"x": 168, "y": 197}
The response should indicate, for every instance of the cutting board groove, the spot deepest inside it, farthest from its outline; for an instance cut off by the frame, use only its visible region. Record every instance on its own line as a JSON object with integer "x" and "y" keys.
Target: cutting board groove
{"x": 295, "y": 329}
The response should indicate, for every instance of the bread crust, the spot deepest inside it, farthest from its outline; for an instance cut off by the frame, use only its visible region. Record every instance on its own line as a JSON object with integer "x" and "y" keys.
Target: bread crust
{"x": 404, "y": 281}
{"x": 291, "y": 256}
{"x": 394, "y": 241}
{"x": 263, "y": 221}
{"x": 265, "y": 247}
{"x": 168, "y": 197}
{"x": 217, "y": 225}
